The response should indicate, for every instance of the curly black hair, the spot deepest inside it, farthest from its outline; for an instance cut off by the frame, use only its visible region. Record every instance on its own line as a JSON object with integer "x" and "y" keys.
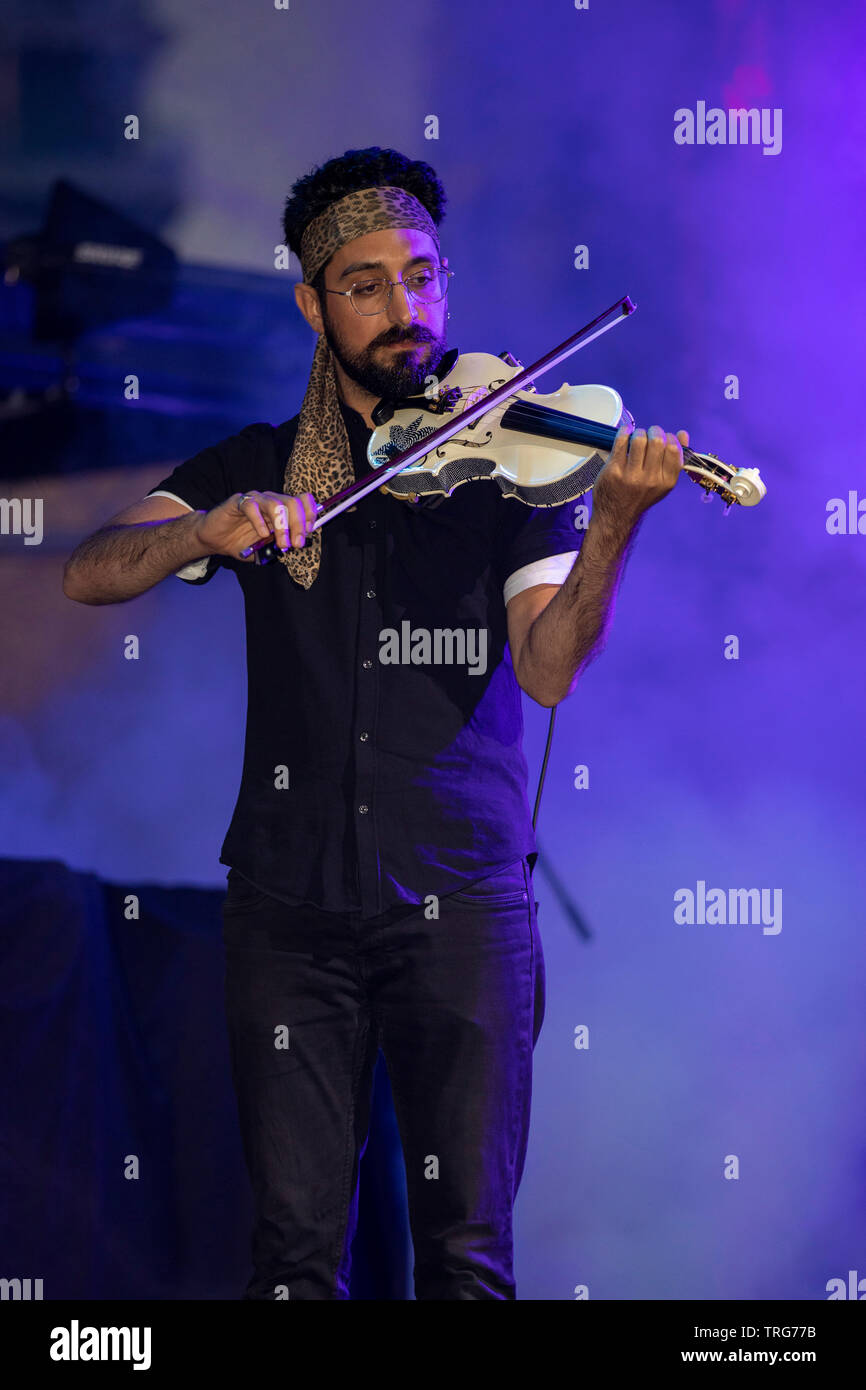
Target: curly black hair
{"x": 356, "y": 169}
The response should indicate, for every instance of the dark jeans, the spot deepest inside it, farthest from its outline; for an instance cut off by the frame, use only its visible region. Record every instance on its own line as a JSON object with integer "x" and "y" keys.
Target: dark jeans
{"x": 456, "y": 1005}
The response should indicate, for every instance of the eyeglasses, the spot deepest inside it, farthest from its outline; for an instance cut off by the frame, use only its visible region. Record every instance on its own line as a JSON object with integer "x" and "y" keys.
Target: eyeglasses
{"x": 425, "y": 286}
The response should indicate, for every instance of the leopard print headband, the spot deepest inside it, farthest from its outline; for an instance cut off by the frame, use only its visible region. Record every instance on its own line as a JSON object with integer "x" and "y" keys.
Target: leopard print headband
{"x": 321, "y": 459}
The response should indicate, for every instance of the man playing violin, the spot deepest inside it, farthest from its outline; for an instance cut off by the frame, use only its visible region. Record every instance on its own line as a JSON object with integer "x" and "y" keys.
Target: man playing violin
{"x": 379, "y": 856}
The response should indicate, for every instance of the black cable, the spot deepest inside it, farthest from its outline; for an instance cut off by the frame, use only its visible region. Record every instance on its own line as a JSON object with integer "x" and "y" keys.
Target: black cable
{"x": 565, "y": 901}
{"x": 544, "y": 765}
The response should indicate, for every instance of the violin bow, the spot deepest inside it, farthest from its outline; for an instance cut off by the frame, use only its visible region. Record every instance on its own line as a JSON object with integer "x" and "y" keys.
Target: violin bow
{"x": 361, "y": 488}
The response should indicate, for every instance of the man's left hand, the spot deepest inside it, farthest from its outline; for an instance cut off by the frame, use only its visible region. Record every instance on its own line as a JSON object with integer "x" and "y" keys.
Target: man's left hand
{"x": 642, "y": 469}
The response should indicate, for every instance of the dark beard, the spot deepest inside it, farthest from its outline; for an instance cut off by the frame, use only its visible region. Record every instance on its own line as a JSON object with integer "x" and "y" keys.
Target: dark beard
{"x": 404, "y": 376}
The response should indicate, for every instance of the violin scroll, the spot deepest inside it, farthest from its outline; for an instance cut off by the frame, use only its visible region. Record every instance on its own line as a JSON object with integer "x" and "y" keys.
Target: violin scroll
{"x": 742, "y": 485}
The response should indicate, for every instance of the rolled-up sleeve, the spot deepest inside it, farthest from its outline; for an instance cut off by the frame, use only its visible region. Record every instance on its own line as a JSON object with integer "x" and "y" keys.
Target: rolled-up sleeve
{"x": 204, "y": 481}
{"x": 539, "y": 545}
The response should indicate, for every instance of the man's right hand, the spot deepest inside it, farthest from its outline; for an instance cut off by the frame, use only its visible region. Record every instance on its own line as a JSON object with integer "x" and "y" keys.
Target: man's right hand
{"x": 234, "y": 524}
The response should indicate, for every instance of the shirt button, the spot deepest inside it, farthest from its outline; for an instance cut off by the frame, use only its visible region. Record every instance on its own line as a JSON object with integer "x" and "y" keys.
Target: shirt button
{"x": 371, "y": 593}
{"x": 363, "y": 809}
{"x": 364, "y": 736}
{"x": 371, "y": 524}
{"x": 367, "y": 664}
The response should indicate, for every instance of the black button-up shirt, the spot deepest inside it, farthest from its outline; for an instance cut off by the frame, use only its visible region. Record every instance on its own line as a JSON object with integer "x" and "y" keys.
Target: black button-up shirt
{"x": 383, "y": 757}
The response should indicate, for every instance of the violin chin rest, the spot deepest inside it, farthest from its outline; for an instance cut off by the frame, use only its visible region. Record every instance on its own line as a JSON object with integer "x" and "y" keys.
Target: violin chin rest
{"x": 385, "y": 409}
{"x": 447, "y": 363}
{"x": 382, "y": 413}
